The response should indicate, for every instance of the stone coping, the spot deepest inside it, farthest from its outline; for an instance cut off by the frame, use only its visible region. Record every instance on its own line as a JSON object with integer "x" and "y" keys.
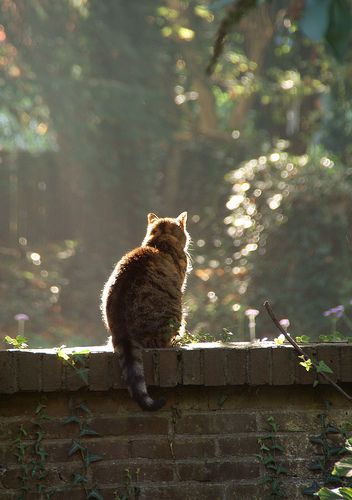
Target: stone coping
{"x": 205, "y": 364}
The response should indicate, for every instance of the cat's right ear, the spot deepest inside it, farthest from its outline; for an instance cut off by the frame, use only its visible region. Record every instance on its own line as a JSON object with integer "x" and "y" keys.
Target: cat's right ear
{"x": 152, "y": 217}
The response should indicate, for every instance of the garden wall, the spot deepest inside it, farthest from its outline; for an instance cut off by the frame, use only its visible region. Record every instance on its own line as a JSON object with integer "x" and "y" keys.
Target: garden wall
{"x": 72, "y": 432}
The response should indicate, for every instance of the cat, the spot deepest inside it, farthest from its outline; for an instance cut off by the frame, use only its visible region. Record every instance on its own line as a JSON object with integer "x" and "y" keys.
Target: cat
{"x": 142, "y": 300}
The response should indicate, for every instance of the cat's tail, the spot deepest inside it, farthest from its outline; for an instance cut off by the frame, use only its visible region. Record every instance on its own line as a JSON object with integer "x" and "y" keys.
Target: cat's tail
{"x": 131, "y": 362}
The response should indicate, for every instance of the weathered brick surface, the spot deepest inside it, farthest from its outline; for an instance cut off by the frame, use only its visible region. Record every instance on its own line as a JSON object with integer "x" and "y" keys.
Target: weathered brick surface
{"x": 192, "y": 373}
{"x": 237, "y": 366}
{"x": 169, "y": 375}
{"x": 216, "y": 359}
{"x": 51, "y": 373}
{"x": 283, "y": 360}
{"x": 100, "y": 371}
{"x": 28, "y": 371}
{"x": 259, "y": 366}
{"x": 346, "y": 363}
{"x": 202, "y": 445}
{"x": 8, "y": 372}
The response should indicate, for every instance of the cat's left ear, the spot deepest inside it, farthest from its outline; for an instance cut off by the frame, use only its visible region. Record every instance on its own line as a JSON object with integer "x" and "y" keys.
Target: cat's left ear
{"x": 152, "y": 218}
{"x": 182, "y": 219}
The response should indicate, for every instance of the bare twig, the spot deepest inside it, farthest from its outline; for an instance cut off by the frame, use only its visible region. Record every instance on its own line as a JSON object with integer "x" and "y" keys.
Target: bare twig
{"x": 234, "y": 14}
{"x": 300, "y": 351}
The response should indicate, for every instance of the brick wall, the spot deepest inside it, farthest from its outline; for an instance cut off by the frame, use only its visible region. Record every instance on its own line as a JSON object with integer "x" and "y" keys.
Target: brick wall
{"x": 73, "y": 432}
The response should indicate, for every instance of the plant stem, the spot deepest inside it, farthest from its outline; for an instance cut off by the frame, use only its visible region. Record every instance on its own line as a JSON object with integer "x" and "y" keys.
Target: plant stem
{"x": 300, "y": 351}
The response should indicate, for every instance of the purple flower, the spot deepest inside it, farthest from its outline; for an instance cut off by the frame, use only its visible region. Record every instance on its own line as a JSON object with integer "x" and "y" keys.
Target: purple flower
{"x": 251, "y": 312}
{"x": 336, "y": 311}
{"x": 21, "y": 317}
{"x": 285, "y": 323}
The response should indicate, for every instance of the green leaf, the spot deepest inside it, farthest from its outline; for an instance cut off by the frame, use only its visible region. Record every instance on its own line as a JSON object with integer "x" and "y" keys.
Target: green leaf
{"x": 89, "y": 459}
{"x": 19, "y": 342}
{"x": 95, "y": 494}
{"x": 70, "y": 419}
{"x": 326, "y": 494}
{"x": 83, "y": 374}
{"x": 315, "y": 20}
{"x": 346, "y": 493}
{"x": 315, "y": 383}
{"x": 88, "y": 432}
{"x": 343, "y": 468}
{"x": 322, "y": 367}
{"x": 79, "y": 479}
{"x": 74, "y": 448}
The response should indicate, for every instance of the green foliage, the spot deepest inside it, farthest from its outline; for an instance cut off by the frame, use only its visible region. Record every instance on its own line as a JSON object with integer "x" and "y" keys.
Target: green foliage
{"x": 328, "y": 447}
{"x": 81, "y": 415}
{"x": 19, "y": 342}
{"x": 269, "y": 450}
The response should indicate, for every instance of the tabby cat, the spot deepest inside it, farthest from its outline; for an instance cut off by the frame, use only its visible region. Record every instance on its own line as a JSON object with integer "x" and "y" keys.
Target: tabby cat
{"x": 142, "y": 300}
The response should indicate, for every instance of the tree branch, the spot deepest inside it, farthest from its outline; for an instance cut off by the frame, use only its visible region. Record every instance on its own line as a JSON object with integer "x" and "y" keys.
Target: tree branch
{"x": 300, "y": 351}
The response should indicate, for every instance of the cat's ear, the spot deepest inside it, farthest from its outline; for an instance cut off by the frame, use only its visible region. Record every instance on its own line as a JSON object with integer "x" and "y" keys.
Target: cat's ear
{"x": 152, "y": 217}
{"x": 182, "y": 219}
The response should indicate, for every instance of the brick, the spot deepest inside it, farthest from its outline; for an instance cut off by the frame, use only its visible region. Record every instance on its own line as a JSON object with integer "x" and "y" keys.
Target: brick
{"x": 290, "y": 421}
{"x": 236, "y": 366}
{"x": 214, "y": 367}
{"x": 151, "y": 448}
{"x": 259, "y": 366}
{"x": 187, "y": 491}
{"x": 193, "y": 447}
{"x": 100, "y": 378}
{"x": 54, "y": 476}
{"x": 192, "y": 373}
{"x": 247, "y": 491}
{"x": 168, "y": 367}
{"x": 216, "y": 423}
{"x": 303, "y": 377}
{"x": 114, "y": 472}
{"x": 73, "y": 380}
{"x": 282, "y": 365}
{"x": 151, "y": 371}
{"x": 8, "y": 372}
{"x": 346, "y": 363}
{"x": 51, "y": 373}
{"x": 131, "y": 424}
{"x": 330, "y": 355}
{"x": 217, "y": 471}
{"x": 238, "y": 445}
{"x": 108, "y": 448}
{"x": 28, "y": 371}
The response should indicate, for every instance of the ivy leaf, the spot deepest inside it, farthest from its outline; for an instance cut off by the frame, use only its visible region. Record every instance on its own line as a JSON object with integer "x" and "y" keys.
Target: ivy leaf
{"x": 89, "y": 459}
{"x": 95, "y": 494}
{"x": 322, "y": 367}
{"x": 343, "y": 468}
{"x": 346, "y": 493}
{"x": 326, "y": 494}
{"x": 74, "y": 448}
{"x": 83, "y": 374}
{"x": 70, "y": 419}
{"x": 88, "y": 432}
{"x": 79, "y": 479}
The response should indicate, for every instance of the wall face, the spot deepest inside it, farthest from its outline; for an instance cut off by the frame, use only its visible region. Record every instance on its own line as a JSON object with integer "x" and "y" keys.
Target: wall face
{"x": 62, "y": 438}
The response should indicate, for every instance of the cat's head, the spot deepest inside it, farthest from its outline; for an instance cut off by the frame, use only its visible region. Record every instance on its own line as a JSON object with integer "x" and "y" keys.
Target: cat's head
{"x": 167, "y": 228}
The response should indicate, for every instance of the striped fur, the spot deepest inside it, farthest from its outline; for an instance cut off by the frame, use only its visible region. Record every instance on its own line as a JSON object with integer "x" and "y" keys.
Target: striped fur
{"x": 142, "y": 300}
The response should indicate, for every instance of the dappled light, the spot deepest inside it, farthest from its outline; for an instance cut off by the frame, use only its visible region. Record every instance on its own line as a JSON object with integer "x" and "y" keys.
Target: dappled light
{"x": 108, "y": 114}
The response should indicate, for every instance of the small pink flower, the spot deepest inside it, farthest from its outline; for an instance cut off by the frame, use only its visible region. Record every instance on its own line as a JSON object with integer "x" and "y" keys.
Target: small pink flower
{"x": 21, "y": 317}
{"x": 251, "y": 312}
{"x": 285, "y": 323}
